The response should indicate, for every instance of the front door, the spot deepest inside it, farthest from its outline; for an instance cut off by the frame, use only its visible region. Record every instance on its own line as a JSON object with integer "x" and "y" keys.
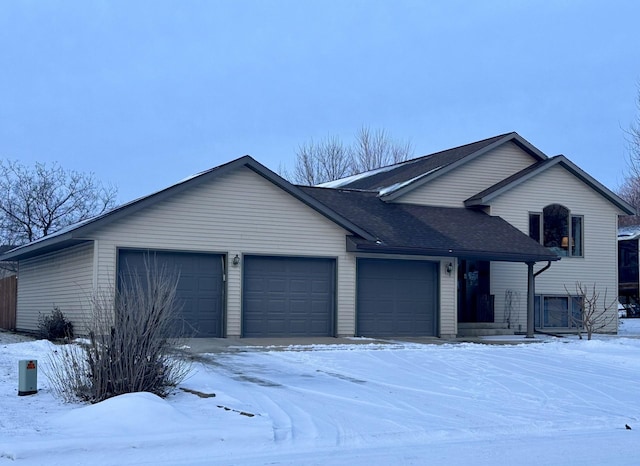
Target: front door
{"x": 475, "y": 303}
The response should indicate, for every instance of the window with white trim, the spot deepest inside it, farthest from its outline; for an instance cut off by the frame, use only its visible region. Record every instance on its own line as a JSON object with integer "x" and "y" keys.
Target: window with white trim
{"x": 557, "y": 229}
{"x": 558, "y": 312}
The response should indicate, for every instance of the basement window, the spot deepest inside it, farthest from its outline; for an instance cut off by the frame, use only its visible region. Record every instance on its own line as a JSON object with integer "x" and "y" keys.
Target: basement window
{"x": 558, "y": 312}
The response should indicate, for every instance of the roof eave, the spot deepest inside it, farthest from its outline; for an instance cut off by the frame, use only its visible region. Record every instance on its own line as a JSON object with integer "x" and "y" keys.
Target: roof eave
{"x": 43, "y": 247}
{"x": 494, "y": 256}
{"x": 54, "y": 241}
{"x": 597, "y": 186}
{"x": 479, "y": 202}
{"x": 527, "y": 146}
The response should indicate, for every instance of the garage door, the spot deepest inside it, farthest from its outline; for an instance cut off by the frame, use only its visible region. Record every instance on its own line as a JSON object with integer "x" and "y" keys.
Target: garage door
{"x": 288, "y": 297}
{"x": 396, "y": 298}
{"x": 200, "y": 286}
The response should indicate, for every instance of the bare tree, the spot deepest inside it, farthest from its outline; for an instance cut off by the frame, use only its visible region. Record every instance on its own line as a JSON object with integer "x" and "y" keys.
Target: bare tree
{"x": 317, "y": 162}
{"x": 39, "y": 200}
{"x": 630, "y": 189}
{"x": 630, "y": 192}
{"x": 330, "y": 159}
{"x": 595, "y": 313}
{"x": 375, "y": 148}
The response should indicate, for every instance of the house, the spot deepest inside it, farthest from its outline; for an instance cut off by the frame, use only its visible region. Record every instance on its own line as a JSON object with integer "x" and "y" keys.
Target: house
{"x": 491, "y": 233}
{"x": 628, "y": 266}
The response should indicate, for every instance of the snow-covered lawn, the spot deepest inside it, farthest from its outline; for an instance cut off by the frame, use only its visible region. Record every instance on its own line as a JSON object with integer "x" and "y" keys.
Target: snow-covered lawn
{"x": 561, "y": 401}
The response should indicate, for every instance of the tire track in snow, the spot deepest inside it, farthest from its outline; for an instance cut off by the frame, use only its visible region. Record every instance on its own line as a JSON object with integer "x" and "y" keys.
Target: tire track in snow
{"x": 316, "y": 398}
{"x": 414, "y": 418}
{"x": 333, "y": 425}
{"x": 581, "y": 375}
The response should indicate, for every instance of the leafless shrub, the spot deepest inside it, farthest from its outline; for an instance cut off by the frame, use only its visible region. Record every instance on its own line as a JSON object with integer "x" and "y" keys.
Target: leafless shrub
{"x": 55, "y": 326}
{"x": 595, "y": 313}
{"x": 511, "y": 305}
{"x": 129, "y": 346}
{"x": 68, "y": 373}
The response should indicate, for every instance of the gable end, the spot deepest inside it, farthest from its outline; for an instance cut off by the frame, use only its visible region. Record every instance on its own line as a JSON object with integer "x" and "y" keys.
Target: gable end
{"x": 485, "y": 197}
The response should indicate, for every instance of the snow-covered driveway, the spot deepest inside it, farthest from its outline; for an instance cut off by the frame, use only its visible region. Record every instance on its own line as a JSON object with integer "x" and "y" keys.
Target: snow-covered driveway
{"x": 430, "y": 393}
{"x": 558, "y": 402}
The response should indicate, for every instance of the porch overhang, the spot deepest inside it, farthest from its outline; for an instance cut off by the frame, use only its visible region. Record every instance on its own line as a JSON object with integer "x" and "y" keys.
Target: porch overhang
{"x": 355, "y": 245}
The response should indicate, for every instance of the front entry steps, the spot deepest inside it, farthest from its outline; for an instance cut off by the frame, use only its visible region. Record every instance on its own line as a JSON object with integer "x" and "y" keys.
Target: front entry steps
{"x": 483, "y": 329}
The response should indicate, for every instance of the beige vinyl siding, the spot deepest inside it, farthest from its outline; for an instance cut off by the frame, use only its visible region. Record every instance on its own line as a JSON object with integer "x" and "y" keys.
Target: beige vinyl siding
{"x": 239, "y": 213}
{"x": 599, "y": 264}
{"x": 448, "y": 299}
{"x": 453, "y": 188}
{"x": 62, "y": 279}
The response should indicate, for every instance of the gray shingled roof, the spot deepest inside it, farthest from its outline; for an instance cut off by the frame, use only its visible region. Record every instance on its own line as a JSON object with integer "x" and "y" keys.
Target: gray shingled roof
{"x": 404, "y": 172}
{"x": 425, "y": 230}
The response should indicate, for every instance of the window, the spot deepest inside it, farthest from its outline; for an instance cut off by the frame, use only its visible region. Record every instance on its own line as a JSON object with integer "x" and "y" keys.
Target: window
{"x": 558, "y": 312}
{"x": 555, "y": 226}
{"x": 576, "y": 236}
{"x": 558, "y": 230}
{"x": 535, "y": 226}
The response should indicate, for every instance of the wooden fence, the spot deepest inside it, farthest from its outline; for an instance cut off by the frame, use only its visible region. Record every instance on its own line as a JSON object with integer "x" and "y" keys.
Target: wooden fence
{"x": 8, "y": 299}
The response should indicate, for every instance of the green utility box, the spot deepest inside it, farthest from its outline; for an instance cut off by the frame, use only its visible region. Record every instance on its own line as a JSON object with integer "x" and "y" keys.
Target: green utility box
{"x": 27, "y": 377}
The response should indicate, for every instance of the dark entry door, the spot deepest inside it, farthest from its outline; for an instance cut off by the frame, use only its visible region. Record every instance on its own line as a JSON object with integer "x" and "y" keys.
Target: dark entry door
{"x": 475, "y": 303}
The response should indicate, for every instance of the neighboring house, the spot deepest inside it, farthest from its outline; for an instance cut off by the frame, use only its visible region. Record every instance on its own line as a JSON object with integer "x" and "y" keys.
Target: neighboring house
{"x": 628, "y": 266}
{"x": 426, "y": 247}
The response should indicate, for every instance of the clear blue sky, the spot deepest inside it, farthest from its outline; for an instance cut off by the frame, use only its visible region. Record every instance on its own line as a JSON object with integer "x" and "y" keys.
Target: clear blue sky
{"x": 145, "y": 93}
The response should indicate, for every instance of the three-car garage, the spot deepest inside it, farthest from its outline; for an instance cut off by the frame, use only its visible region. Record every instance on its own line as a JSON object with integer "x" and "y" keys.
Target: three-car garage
{"x": 287, "y": 296}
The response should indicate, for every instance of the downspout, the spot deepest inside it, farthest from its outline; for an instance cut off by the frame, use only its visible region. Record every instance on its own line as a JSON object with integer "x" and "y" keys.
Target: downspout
{"x": 542, "y": 269}
{"x": 531, "y": 294}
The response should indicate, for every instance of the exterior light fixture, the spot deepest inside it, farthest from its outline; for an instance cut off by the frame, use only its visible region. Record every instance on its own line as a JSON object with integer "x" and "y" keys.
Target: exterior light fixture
{"x": 236, "y": 260}
{"x": 449, "y": 268}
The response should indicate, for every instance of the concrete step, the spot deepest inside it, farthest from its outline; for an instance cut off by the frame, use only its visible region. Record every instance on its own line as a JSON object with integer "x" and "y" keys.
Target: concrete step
{"x": 483, "y": 329}
{"x": 482, "y": 325}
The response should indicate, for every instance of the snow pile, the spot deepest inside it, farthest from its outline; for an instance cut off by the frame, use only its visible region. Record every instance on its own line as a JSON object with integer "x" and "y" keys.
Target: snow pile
{"x": 127, "y": 415}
